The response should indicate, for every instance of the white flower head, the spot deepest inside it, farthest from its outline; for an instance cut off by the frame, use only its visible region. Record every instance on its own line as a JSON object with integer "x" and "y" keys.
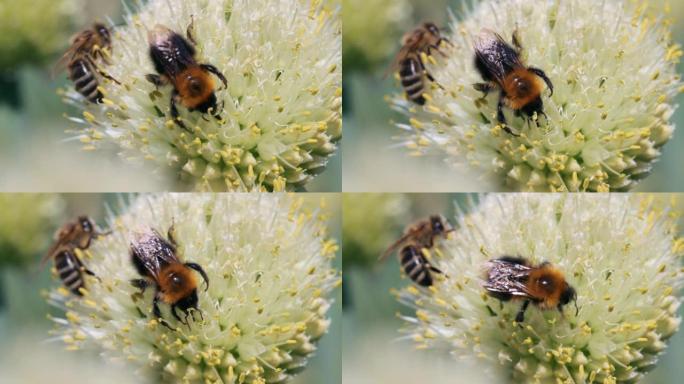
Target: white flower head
{"x": 371, "y": 28}
{"x": 621, "y": 254}
{"x": 281, "y": 110}
{"x": 613, "y": 70}
{"x": 32, "y": 34}
{"x": 268, "y": 262}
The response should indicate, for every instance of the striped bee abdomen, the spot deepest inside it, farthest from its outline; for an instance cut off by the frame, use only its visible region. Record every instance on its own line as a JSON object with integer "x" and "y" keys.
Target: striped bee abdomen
{"x": 412, "y": 79}
{"x": 85, "y": 82}
{"x": 70, "y": 271}
{"x": 416, "y": 266}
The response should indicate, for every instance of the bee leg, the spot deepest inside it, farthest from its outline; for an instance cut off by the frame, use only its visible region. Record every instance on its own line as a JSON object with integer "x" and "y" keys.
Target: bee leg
{"x": 516, "y": 41}
{"x": 216, "y": 72}
{"x": 444, "y": 40}
{"x": 141, "y": 284}
{"x": 174, "y": 111}
{"x": 199, "y": 269}
{"x": 171, "y": 234}
{"x": 157, "y": 80}
{"x": 501, "y": 118}
{"x": 190, "y": 31}
{"x": 520, "y": 317}
{"x": 542, "y": 74}
{"x": 484, "y": 88}
{"x": 430, "y": 48}
{"x": 175, "y": 314}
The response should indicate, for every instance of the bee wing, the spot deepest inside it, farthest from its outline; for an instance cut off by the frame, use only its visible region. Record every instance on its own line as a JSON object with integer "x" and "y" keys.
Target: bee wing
{"x": 495, "y": 54}
{"x": 401, "y": 55}
{"x": 79, "y": 43}
{"x": 507, "y": 277}
{"x": 394, "y": 246}
{"x": 153, "y": 252}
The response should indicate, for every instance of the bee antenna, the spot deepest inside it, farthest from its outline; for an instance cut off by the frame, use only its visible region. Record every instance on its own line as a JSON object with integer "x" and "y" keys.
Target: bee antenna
{"x": 199, "y": 269}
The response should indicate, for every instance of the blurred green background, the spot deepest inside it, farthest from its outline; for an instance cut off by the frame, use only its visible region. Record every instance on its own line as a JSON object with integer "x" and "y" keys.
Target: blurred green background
{"x": 374, "y": 350}
{"x": 375, "y": 162}
{"x": 36, "y": 153}
{"x": 27, "y": 224}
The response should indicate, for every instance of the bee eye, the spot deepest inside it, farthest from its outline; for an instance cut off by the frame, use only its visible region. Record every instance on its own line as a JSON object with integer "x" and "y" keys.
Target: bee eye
{"x": 176, "y": 280}
{"x": 195, "y": 85}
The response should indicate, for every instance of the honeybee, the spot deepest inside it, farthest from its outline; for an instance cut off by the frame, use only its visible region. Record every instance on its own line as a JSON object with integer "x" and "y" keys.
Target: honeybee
{"x": 79, "y": 60}
{"x": 424, "y": 39}
{"x": 174, "y": 60}
{"x": 417, "y": 236}
{"x": 156, "y": 260}
{"x": 514, "y": 278}
{"x": 76, "y": 234}
{"x": 500, "y": 66}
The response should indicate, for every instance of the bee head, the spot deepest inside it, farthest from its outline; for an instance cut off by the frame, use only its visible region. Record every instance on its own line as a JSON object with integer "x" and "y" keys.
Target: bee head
{"x": 187, "y": 302}
{"x": 104, "y": 34}
{"x": 432, "y": 28}
{"x": 568, "y": 295}
{"x": 438, "y": 224}
{"x": 206, "y": 105}
{"x": 536, "y": 105}
{"x": 86, "y": 224}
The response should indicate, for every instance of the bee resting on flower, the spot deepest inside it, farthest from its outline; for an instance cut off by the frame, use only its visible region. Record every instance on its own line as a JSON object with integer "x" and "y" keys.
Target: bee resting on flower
{"x": 612, "y": 65}
{"x": 622, "y": 255}
{"x": 280, "y": 114}
{"x": 268, "y": 261}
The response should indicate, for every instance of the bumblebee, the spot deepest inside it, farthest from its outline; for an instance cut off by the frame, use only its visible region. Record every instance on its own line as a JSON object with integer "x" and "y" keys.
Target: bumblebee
{"x": 174, "y": 60}
{"x": 514, "y": 278}
{"x": 80, "y": 61}
{"x": 501, "y": 68}
{"x": 156, "y": 260}
{"x": 424, "y": 39}
{"x": 76, "y": 234}
{"x": 419, "y": 235}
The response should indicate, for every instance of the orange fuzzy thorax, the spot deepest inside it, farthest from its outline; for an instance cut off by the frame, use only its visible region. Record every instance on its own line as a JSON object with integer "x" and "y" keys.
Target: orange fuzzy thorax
{"x": 549, "y": 296}
{"x": 191, "y": 98}
{"x": 171, "y": 293}
{"x": 516, "y": 99}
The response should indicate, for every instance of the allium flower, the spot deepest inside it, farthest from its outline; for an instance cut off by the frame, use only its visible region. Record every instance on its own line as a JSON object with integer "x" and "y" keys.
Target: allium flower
{"x": 27, "y": 223}
{"x": 32, "y": 34}
{"x": 370, "y": 223}
{"x": 613, "y": 68}
{"x": 620, "y": 254}
{"x": 372, "y": 29}
{"x": 269, "y": 266}
{"x": 282, "y": 107}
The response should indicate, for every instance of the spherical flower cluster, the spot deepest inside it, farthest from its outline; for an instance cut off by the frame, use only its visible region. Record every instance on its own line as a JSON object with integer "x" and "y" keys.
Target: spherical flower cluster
{"x": 27, "y": 223}
{"x": 281, "y": 110}
{"x": 622, "y": 255}
{"x": 268, "y": 262}
{"x": 613, "y": 70}
{"x": 371, "y": 222}
{"x": 372, "y": 29}
{"x": 32, "y": 34}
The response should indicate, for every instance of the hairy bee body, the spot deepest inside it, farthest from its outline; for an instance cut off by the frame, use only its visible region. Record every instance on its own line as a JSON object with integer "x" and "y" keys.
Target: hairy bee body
{"x": 173, "y": 58}
{"x": 156, "y": 261}
{"x": 515, "y": 278}
{"x": 412, "y": 73}
{"x": 418, "y": 236}
{"x": 76, "y": 234}
{"x": 501, "y": 67}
